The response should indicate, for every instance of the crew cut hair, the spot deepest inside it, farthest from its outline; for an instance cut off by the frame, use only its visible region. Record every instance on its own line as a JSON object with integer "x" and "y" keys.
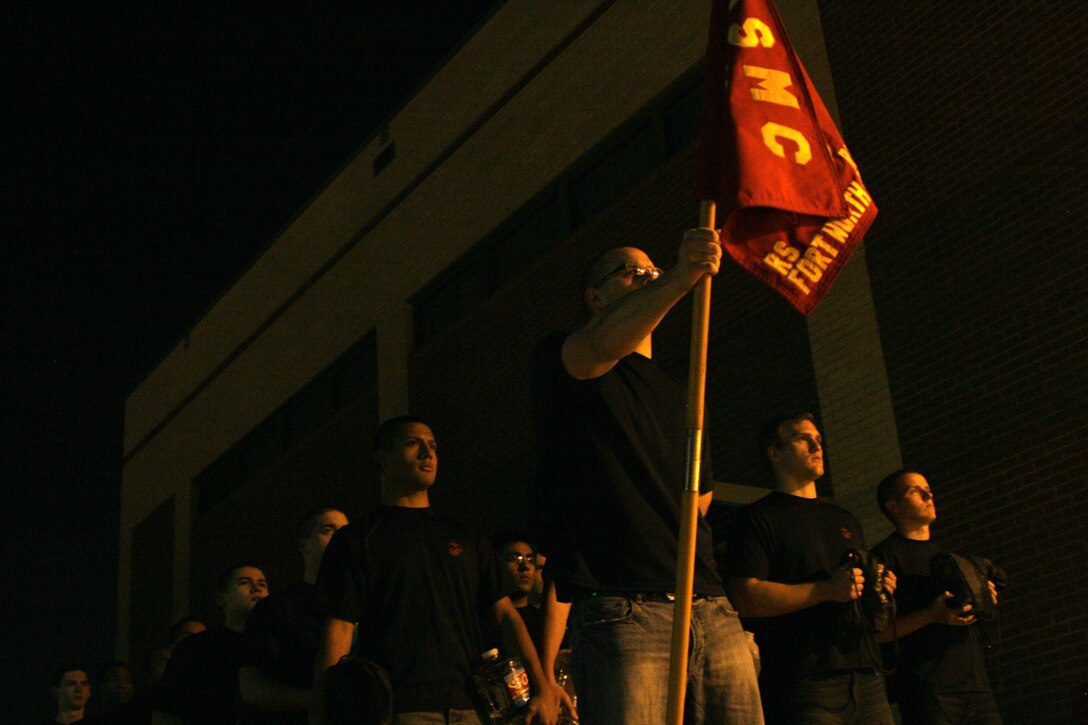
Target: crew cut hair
{"x": 59, "y": 671}
{"x": 175, "y": 628}
{"x": 305, "y": 523}
{"x": 387, "y": 431}
{"x": 770, "y": 433}
{"x": 227, "y": 575}
{"x": 889, "y": 490}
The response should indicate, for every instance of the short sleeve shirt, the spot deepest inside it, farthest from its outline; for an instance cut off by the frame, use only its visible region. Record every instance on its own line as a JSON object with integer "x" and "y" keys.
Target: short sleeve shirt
{"x": 793, "y": 540}
{"x": 937, "y": 656}
{"x": 201, "y": 678}
{"x": 417, "y": 584}
{"x": 613, "y": 459}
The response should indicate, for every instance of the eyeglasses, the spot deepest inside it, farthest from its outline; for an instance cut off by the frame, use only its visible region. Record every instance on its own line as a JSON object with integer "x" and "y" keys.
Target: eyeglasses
{"x": 636, "y": 271}
{"x": 526, "y": 559}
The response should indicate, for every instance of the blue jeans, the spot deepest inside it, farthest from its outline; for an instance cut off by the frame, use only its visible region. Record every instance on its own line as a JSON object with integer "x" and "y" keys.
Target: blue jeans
{"x": 925, "y": 707}
{"x": 848, "y": 698}
{"x": 620, "y": 649}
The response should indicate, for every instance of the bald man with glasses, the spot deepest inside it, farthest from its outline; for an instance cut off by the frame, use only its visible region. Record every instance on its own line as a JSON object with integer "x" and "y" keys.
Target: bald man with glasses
{"x": 612, "y": 429}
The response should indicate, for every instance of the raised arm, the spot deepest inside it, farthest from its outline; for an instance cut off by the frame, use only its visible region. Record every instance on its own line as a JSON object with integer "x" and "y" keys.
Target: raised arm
{"x": 625, "y": 324}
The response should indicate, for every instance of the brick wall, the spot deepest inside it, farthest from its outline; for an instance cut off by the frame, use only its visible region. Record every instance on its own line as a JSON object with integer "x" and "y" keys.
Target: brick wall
{"x": 963, "y": 117}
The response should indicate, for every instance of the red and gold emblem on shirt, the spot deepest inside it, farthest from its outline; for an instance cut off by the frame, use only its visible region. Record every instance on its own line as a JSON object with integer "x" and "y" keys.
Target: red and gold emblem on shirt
{"x": 456, "y": 549}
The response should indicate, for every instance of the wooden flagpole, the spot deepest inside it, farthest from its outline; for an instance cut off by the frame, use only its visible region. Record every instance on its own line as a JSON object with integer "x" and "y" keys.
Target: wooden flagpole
{"x": 689, "y": 502}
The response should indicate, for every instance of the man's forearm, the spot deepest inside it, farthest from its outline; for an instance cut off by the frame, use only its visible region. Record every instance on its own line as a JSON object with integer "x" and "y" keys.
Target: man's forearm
{"x": 514, "y": 626}
{"x": 555, "y": 625}
{"x": 545, "y": 702}
{"x": 618, "y": 330}
{"x": 905, "y": 625}
{"x": 625, "y": 325}
{"x": 760, "y": 598}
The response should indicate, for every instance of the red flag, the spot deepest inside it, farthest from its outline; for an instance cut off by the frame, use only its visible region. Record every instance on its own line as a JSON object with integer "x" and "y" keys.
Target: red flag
{"x": 791, "y": 199}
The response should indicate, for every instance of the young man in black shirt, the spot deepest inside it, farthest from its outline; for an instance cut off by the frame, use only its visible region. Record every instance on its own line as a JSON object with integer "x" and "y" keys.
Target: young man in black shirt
{"x": 517, "y": 571}
{"x": 71, "y": 690}
{"x": 283, "y": 631}
{"x": 200, "y": 685}
{"x": 941, "y": 674}
{"x": 416, "y": 584}
{"x": 612, "y": 434}
{"x": 787, "y": 576}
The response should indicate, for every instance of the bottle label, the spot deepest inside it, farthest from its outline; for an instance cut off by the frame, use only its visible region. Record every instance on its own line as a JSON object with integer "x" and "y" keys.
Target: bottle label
{"x": 517, "y": 685}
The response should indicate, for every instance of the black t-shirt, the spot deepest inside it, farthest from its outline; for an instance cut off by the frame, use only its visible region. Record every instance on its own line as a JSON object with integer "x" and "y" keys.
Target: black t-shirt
{"x": 417, "y": 584}
{"x": 533, "y": 617}
{"x": 794, "y": 540}
{"x": 127, "y": 714}
{"x": 281, "y": 639}
{"x": 613, "y": 457}
{"x": 201, "y": 678}
{"x": 534, "y": 622}
{"x": 941, "y": 657}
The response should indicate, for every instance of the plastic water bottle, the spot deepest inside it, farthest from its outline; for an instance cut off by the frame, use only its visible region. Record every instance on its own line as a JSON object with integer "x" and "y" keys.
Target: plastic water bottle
{"x": 504, "y": 687}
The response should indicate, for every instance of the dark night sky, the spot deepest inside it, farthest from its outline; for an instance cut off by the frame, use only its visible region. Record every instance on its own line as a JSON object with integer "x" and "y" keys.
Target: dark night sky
{"x": 156, "y": 153}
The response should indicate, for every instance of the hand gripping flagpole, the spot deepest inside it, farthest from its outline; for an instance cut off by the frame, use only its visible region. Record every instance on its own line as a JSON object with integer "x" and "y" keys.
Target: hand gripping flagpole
{"x": 689, "y": 502}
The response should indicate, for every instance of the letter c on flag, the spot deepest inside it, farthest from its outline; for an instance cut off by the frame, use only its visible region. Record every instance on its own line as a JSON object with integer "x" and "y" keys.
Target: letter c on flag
{"x": 774, "y": 131}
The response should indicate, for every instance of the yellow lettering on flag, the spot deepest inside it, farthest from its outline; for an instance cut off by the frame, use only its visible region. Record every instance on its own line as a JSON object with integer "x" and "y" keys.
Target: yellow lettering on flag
{"x": 809, "y": 269}
{"x": 857, "y": 197}
{"x": 774, "y": 131}
{"x": 772, "y": 86}
{"x": 815, "y": 255}
{"x": 750, "y": 33}
{"x": 844, "y": 153}
{"x": 838, "y": 229}
{"x": 797, "y": 282}
{"x": 818, "y": 242}
{"x": 781, "y": 260}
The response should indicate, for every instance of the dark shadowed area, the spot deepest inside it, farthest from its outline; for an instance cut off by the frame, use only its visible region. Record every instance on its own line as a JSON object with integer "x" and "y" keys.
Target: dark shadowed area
{"x": 157, "y": 151}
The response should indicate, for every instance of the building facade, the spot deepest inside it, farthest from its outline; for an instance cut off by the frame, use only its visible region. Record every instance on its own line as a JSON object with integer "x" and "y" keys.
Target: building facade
{"x": 425, "y": 271}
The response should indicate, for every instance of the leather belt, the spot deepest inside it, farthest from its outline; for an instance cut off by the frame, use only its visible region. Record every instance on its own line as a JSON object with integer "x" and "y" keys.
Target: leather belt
{"x": 665, "y": 598}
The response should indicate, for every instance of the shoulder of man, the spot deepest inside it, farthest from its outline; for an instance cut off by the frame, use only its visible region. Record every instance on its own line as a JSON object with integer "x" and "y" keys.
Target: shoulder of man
{"x": 885, "y": 548}
{"x": 189, "y": 659}
{"x": 196, "y": 645}
{"x": 760, "y": 507}
{"x": 751, "y": 522}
